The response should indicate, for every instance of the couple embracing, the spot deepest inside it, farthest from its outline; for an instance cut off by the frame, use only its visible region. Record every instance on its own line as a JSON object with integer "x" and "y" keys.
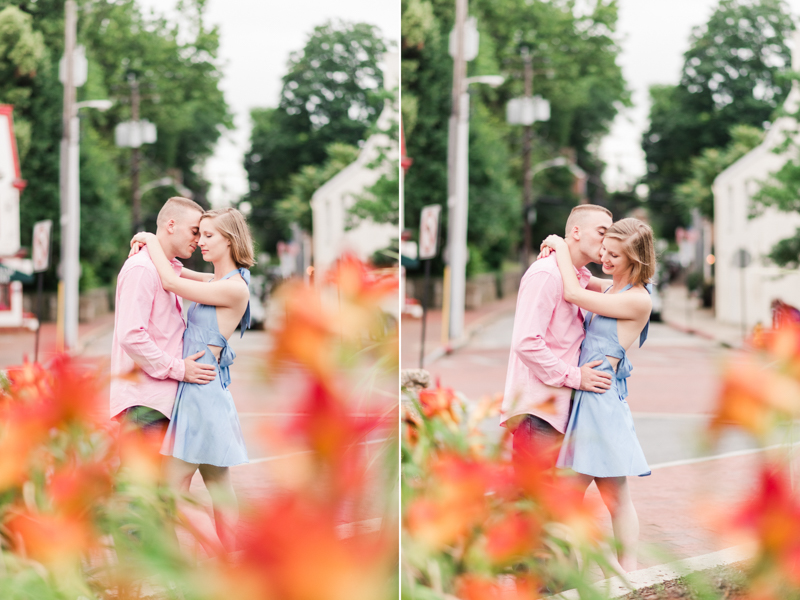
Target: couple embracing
{"x": 180, "y": 395}
{"x": 566, "y": 384}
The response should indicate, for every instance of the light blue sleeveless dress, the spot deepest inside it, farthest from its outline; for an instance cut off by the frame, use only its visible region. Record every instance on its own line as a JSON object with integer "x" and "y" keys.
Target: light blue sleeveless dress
{"x": 204, "y": 428}
{"x": 600, "y": 439}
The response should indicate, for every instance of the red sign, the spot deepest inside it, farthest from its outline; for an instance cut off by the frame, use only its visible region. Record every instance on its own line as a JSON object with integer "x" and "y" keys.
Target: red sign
{"x": 41, "y": 245}
{"x": 428, "y": 231}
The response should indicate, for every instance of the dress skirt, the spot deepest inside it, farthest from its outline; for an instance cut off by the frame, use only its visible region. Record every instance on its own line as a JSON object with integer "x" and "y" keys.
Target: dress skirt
{"x": 600, "y": 439}
{"x": 204, "y": 428}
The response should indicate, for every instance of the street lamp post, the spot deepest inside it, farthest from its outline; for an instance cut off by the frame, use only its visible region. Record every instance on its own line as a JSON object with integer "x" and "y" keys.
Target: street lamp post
{"x": 72, "y": 74}
{"x": 457, "y": 243}
{"x": 162, "y": 182}
{"x": 529, "y": 214}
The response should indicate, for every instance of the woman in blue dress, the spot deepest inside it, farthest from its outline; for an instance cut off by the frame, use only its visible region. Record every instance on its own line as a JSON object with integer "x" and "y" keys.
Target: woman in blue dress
{"x": 600, "y": 442}
{"x": 204, "y": 432}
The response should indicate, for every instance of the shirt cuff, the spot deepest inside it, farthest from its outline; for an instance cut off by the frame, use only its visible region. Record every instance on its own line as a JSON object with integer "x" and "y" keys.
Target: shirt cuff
{"x": 573, "y": 378}
{"x": 178, "y": 370}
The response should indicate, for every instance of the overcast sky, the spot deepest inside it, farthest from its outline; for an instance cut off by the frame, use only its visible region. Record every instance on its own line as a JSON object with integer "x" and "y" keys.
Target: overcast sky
{"x": 256, "y": 38}
{"x": 655, "y": 34}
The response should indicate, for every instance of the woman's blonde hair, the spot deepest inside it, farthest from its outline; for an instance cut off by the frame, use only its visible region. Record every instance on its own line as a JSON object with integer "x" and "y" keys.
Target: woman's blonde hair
{"x": 637, "y": 245}
{"x": 233, "y": 226}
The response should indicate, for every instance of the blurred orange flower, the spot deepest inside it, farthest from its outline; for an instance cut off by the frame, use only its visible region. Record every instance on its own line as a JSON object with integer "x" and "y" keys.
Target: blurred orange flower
{"x": 772, "y": 516}
{"x": 455, "y": 499}
{"x": 514, "y": 535}
{"x": 439, "y": 402}
{"x": 74, "y": 489}
{"x": 476, "y": 587}
{"x": 50, "y": 539}
{"x": 293, "y": 552}
{"x": 754, "y": 397}
{"x": 361, "y": 285}
{"x": 140, "y": 456}
{"x": 307, "y": 331}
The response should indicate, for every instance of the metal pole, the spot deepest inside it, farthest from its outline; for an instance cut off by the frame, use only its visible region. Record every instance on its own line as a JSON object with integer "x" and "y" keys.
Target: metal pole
{"x": 70, "y": 211}
{"x": 458, "y": 250}
{"x": 136, "y": 211}
{"x": 456, "y": 255}
{"x": 425, "y": 301}
{"x": 527, "y": 193}
{"x": 744, "y": 309}
{"x": 39, "y": 287}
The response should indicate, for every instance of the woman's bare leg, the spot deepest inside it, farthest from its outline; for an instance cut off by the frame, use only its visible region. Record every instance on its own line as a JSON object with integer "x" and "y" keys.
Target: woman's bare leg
{"x": 617, "y": 498}
{"x": 582, "y": 483}
{"x": 223, "y": 497}
{"x": 179, "y": 475}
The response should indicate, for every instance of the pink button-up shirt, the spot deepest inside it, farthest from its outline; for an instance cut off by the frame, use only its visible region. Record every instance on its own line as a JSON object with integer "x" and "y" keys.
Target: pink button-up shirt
{"x": 545, "y": 347}
{"x": 148, "y": 333}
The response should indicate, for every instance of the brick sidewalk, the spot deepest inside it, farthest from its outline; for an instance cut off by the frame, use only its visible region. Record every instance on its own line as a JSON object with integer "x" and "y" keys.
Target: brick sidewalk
{"x": 16, "y": 345}
{"x": 411, "y": 329}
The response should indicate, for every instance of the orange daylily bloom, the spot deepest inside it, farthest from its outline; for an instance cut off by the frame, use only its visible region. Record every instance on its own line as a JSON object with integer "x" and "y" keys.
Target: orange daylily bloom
{"x": 23, "y": 428}
{"x": 77, "y": 487}
{"x": 29, "y": 382}
{"x": 50, "y": 539}
{"x": 514, "y": 535}
{"x": 288, "y": 537}
{"x": 456, "y": 499}
{"x": 754, "y": 397}
{"x": 772, "y": 516}
{"x": 439, "y": 402}
{"x": 361, "y": 285}
{"x": 307, "y": 332}
{"x": 476, "y": 587}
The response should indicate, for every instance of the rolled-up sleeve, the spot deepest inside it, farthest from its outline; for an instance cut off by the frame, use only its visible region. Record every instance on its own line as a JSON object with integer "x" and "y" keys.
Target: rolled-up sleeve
{"x": 135, "y": 304}
{"x": 538, "y": 296}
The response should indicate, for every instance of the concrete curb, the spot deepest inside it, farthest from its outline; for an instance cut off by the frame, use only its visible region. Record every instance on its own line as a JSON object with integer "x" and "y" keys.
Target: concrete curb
{"x": 471, "y": 330}
{"x": 699, "y": 333}
{"x": 617, "y": 587}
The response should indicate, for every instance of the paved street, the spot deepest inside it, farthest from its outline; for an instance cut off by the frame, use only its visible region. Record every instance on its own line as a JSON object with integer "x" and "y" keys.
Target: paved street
{"x": 266, "y": 402}
{"x": 672, "y": 389}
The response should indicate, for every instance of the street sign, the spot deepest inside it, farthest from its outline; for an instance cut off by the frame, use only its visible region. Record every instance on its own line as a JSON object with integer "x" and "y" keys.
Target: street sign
{"x": 41, "y": 245}
{"x": 429, "y": 231}
{"x": 526, "y": 111}
{"x": 132, "y": 134}
{"x": 742, "y": 258}
{"x": 471, "y": 40}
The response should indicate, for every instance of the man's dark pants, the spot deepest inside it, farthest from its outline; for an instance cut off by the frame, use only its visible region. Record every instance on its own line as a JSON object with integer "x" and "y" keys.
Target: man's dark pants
{"x": 147, "y": 420}
{"x": 536, "y": 445}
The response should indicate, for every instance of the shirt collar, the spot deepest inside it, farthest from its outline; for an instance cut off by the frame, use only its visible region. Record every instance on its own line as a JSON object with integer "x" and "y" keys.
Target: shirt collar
{"x": 584, "y": 275}
{"x": 176, "y": 264}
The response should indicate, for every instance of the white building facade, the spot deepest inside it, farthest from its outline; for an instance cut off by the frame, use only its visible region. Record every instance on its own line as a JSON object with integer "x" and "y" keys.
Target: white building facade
{"x": 331, "y": 202}
{"x": 745, "y": 295}
{"x": 11, "y": 265}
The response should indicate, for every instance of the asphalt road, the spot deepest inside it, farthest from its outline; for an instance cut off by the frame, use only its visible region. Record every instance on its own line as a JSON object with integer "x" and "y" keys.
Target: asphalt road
{"x": 672, "y": 388}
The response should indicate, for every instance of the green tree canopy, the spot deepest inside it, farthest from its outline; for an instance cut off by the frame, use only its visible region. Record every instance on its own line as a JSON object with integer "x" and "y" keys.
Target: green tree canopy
{"x": 332, "y": 94}
{"x": 574, "y": 61}
{"x": 177, "y": 68}
{"x": 696, "y": 192}
{"x": 732, "y": 74}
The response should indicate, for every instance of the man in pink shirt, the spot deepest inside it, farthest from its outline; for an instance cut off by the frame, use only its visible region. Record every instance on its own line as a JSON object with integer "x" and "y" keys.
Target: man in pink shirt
{"x": 149, "y": 325}
{"x": 546, "y": 343}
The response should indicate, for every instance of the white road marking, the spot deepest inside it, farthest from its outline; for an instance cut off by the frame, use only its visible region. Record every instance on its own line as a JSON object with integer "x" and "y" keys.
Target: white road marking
{"x": 289, "y": 414}
{"x": 302, "y": 452}
{"x": 699, "y": 459}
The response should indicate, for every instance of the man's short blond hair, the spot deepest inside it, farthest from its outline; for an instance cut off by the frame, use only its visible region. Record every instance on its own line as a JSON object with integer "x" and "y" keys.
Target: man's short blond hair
{"x": 173, "y": 207}
{"x": 577, "y": 215}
